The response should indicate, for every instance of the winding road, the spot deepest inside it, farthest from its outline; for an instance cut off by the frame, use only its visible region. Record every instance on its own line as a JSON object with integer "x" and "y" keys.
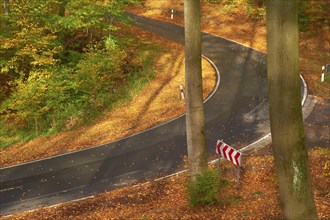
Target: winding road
{"x": 236, "y": 112}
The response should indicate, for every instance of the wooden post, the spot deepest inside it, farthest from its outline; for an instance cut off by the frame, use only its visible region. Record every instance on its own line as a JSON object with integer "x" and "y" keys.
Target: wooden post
{"x": 238, "y": 173}
{"x": 219, "y": 164}
{"x": 238, "y": 177}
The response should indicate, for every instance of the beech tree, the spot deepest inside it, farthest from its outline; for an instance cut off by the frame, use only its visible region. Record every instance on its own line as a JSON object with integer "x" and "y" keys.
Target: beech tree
{"x": 286, "y": 119}
{"x": 5, "y": 6}
{"x": 197, "y": 159}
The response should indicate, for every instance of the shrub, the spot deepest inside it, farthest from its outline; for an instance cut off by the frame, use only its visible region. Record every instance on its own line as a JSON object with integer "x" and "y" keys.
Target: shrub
{"x": 205, "y": 189}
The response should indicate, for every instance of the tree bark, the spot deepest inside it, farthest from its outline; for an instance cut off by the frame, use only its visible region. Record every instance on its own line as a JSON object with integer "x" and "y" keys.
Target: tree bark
{"x": 6, "y": 7}
{"x": 62, "y": 6}
{"x": 286, "y": 119}
{"x": 36, "y": 125}
{"x": 197, "y": 159}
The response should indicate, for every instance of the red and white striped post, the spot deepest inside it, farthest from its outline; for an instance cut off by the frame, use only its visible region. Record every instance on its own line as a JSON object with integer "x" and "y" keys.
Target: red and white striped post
{"x": 229, "y": 153}
{"x": 226, "y": 151}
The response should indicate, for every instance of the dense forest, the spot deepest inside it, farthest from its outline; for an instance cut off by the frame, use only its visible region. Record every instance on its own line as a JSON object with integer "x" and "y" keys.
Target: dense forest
{"x": 61, "y": 64}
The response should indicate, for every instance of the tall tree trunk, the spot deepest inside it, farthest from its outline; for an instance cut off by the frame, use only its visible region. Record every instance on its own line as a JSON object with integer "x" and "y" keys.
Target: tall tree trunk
{"x": 286, "y": 119}
{"x": 36, "y": 125}
{"x": 6, "y": 7}
{"x": 62, "y": 6}
{"x": 197, "y": 160}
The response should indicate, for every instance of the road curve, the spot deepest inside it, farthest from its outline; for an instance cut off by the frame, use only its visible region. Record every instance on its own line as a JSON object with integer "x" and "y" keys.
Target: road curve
{"x": 236, "y": 113}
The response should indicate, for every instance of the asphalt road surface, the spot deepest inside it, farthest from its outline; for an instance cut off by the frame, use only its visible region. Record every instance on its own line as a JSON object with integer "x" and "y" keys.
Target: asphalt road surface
{"x": 236, "y": 113}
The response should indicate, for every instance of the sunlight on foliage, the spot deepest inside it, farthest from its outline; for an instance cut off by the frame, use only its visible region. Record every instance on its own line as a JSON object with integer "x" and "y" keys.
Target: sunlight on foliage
{"x": 55, "y": 66}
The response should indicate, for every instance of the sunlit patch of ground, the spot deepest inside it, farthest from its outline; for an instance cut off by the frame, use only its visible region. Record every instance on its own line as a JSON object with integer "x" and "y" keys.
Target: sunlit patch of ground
{"x": 157, "y": 102}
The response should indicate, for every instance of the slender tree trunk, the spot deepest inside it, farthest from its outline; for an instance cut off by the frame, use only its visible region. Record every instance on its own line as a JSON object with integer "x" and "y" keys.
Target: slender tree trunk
{"x": 53, "y": 122}
{"x": 6, "y": 7}
{"x": 197, "y": 160}
{"x": 286, "y": 119}
{"x": 62, "y": 6}
{"x": 4, "y": 10}
{"x": 36, "y": 125}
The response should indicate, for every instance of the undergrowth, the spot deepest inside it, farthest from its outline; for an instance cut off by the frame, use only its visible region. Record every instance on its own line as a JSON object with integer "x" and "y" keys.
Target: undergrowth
{"x": 205, "y": 189}
{"x": 77, "y": 93}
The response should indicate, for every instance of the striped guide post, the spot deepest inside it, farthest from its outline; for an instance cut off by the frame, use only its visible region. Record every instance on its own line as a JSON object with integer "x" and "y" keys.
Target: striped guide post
{"x": 229, "y": 153}
{"x": 234, "y": 156}
{"x": 181, "y": 92}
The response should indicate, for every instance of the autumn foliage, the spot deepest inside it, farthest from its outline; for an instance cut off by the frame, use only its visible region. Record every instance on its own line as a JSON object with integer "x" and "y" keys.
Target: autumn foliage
{"x": 60, "y": 61}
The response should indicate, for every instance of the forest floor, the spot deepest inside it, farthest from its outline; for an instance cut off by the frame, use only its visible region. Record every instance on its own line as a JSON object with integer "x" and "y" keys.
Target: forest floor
{"x": 257, "y": 197}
